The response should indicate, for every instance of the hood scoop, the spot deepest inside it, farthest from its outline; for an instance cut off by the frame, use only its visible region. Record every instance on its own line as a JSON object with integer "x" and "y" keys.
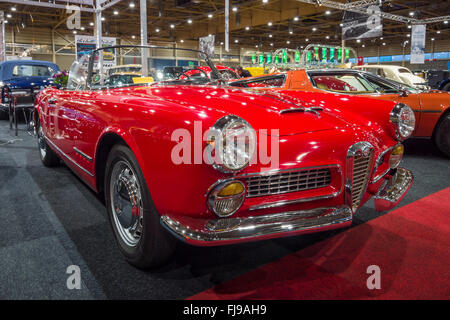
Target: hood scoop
{"x": 298, "y": 105}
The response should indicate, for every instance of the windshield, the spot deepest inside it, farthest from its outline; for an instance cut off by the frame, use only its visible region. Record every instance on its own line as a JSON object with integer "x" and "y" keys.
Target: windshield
{"x": 25, "y": 70}
{"x": 122, "y": 66}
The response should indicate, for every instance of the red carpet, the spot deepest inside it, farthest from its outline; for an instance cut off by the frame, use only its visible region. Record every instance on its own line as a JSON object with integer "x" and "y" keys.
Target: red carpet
{"x": 411, "y": 245}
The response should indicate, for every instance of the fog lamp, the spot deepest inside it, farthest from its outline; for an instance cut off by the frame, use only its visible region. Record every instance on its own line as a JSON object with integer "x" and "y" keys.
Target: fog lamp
{"x": 396, "y": 156}
{"x": 226, "y": 198}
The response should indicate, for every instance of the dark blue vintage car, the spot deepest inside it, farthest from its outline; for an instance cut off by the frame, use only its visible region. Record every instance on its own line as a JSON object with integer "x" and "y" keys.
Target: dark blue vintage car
{"x": 24, "y": 74}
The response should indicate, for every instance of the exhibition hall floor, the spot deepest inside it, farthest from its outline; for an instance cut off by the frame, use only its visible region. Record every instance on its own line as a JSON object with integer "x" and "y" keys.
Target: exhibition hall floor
{"x": 50, "y": 220}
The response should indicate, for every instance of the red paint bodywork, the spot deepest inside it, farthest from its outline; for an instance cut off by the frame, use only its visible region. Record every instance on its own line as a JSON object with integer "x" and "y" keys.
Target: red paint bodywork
{"x": 146, "y": 116}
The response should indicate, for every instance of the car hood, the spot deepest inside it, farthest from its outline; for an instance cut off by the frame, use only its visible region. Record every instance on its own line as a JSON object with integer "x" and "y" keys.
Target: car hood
{"x": 262, "y": 109}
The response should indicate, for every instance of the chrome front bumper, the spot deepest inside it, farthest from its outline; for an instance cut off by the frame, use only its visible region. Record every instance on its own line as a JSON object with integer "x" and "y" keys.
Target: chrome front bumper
{"x": 393, "y": 190}
{"x": 232, "y": 230}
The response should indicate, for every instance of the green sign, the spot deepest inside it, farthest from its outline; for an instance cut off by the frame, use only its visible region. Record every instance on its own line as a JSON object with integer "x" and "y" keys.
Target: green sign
{"x": 268, "y": 58}
{"x": 316, "y": 53}
{"x": 277, "y": 60}
{"x": 347, "y": 54}
{"x": 297, "y": 56}
{"x": 261, "y": 59}
{"x": 332, "y": 54}
{"x": 308, "y": 56}
{"x": 284, "y": 56}
{"x": 253, "y": 58}
{"x": 324, "y": 54}
{"x": 191, "y": 63}
{"x": 339, "y": 55}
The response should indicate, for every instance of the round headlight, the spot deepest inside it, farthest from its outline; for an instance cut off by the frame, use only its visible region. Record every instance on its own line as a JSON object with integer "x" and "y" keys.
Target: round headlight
{"x": 404, "y": 121}
{"x": 233, "y": 142}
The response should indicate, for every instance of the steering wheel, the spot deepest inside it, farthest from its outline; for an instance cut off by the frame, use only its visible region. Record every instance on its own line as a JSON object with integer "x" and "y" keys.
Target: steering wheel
{"x": 189, "y": 76}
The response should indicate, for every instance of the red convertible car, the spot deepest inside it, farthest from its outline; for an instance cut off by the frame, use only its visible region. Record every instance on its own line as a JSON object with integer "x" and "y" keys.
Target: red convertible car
{"x": 143, "y": 146}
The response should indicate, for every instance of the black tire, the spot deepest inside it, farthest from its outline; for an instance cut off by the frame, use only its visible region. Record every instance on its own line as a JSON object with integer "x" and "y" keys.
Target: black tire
{"x": 4, "y": 115}
{"x": 48, "y": 157}
{"x": 154, "y": 245}
{"x": 446, "y": 87}
{"x": 442, "y": 135}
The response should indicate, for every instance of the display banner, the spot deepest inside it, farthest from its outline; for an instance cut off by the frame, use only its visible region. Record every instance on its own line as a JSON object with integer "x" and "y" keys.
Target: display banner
{"x": 253, "y": 58}
{"x": 227, "y": 25}
{"x": 324, "y": 54}
{"x": 2, "y": 37}
{"x": 277, "y": 60}
{"x": 297, "y": 56}
{"x": 339, "y": 55}
{"x": 308, "y": 56}
{"x": 359, "y": 26}
{"x": 206, "y": 45}
{"x": 268, "y": 58}
{"x": 261, "y": 58}
{"x": 86, "y": 44}
{"x": 418, "y": 44}
{"x": 284, "y": 57}
{"x": 85, "y": 2}
{"x": 332, "y": 50}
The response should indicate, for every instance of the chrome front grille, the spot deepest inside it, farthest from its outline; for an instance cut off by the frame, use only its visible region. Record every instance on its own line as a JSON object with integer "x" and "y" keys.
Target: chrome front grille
{"x": 361, "y": 171}
{"x": 290, "y": 181}
{"x": 359, "y": 165}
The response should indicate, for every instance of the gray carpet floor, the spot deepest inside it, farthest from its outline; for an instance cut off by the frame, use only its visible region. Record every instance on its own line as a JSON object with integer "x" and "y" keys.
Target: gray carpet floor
{"x": 50, "y": 220}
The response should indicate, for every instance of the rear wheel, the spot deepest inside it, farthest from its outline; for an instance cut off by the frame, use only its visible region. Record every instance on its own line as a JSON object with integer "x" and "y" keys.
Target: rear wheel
{"x": 442, "y": 135}
{"x": 132, "y": 214}
{"x": 48, "y": 157}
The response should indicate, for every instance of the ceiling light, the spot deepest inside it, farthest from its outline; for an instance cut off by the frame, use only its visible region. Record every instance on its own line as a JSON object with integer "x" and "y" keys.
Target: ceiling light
{"x": 256, "y": 46}
{"x": 181, "y": 41}
{"x": 270, "y": 36}
{"x": 409, "y": 27}
{"x": 247, "y": 28}
{"x": 271, "y": 44}
{"x": 327, "y": 37}
{"x": 306, "y": 39}
{"x": 210, "y": 15}
{"x": 91, "y": 24}
{"x": 74, "y": 31}
{"x": 9, "y": 15}
{"x": 438, "y": 32}
{"x": 236, "y": 41}
{"x": 189, "y": 21}
{"x": 133, "y": 37}
{"x": 116, "y": 12}
{"x": 408, "y": 35}
{"x": 221, "y": 43}
{"x": 132, "y": 5}
{"x": 234, "y": 9}
{"x": 446, "y": 21}
{"x": 314, "y": 29}
{"x": 13, "y": 8}
{"x": 82, "y": 28}
{"x": 156, "y": 30}
{"x": 328, "y": 12}
{"x": 269, "y": 23}
{"x": 411, "y": 13}
{"x": 341, "y": 24}
{"x": 288, "y": 42}
{"x": 384, "y": 43}
{"x": 6, "y": 21}
{"x": 103, "y": 18}
{"x": 296, "y": 18}
{"x": 359, "y": 41}
{"x": 432, "y": 39}
{"x": 265, "y": 1}
{"x": 380, "y": 38}
{"x": 363, "y": 45}
{"x": 172, "y": 26}
{"x": 290, "y": 32}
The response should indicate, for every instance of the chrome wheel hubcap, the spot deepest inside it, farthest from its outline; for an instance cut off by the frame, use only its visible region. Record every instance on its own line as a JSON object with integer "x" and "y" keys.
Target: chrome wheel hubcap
{"x": 126, "y": 203}
{"x": 41, "y": 142}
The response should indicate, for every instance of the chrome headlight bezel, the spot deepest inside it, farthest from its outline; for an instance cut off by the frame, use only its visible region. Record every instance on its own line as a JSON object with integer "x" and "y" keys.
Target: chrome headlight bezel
{"x": 216, "y": 138}
{"x": 402, "y": 129}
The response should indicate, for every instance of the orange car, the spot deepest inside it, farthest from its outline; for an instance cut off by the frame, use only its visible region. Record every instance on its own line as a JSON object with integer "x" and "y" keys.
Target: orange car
{"x": 431, "y": 108}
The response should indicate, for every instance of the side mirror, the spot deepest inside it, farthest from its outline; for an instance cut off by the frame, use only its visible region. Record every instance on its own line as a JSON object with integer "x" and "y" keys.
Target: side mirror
{"x": 403, "y": 93}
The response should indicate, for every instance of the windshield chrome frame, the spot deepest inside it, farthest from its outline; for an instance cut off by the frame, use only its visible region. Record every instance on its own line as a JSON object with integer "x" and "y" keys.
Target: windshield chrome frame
{"x": 93, "y": 54}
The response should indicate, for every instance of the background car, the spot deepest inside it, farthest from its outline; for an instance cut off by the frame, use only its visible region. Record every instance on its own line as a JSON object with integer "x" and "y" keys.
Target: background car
{"x": 431, "y": 107}
{"x": 396, "y": 73}
{"x": 24, "y": 74}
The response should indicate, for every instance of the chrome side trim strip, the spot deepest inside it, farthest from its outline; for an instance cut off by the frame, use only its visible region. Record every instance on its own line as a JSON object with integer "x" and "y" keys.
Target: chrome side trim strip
{"x": 288, "y": 202}
{"x": 81, "y": 153}
{"x": 228, "y": 230}
{"x": 68, "y": 158}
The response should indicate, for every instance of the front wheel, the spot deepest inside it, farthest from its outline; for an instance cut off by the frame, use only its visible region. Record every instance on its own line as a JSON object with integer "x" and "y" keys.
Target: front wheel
{"x": 132, "y": 214}
{"x": 48, "y": 157}
{"x": 442, "y": 135}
